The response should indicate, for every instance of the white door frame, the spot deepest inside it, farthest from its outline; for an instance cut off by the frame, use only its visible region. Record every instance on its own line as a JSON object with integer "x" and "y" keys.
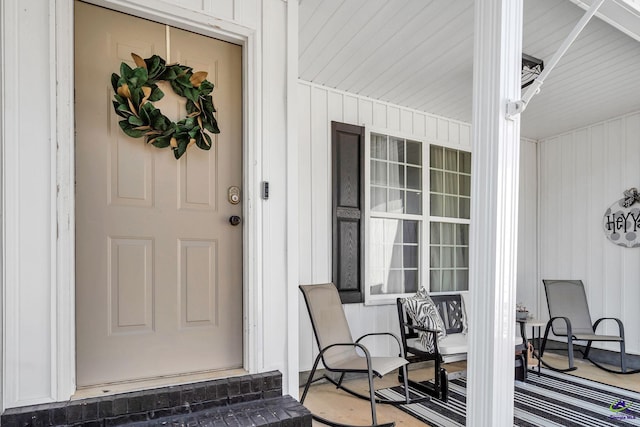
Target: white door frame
{"x": 63, "y": 168}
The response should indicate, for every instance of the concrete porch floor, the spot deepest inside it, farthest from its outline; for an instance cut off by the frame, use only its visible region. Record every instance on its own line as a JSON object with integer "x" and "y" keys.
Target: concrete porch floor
{"x": 323, "y": 399}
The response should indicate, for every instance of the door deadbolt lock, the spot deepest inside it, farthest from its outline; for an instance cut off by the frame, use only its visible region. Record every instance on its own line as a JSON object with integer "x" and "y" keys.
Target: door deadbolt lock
{"x": 234, "y": 195}
{"x": 234, "y": 220}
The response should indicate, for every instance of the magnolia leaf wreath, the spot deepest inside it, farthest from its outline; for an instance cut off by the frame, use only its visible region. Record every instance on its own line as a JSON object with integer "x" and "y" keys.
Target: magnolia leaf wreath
{"x": 136, "y": 89}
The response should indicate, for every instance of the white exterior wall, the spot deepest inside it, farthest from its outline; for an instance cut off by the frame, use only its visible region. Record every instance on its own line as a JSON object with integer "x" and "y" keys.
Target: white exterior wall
{"x": 582, "y": 173}
{"x": 36, "y": 123}
{"x": 318, "y": 106}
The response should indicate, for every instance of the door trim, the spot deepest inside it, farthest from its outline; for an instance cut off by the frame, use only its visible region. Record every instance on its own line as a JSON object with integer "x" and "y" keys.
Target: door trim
{"x": 62, "y": 13}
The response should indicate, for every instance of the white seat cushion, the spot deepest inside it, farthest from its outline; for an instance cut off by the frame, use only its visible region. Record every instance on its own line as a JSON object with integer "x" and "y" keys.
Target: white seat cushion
{"x": 452, "y": 344}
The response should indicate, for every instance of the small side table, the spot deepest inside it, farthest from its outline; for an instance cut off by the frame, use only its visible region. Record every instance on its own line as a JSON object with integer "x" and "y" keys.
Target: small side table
{"x": 536, "y": 335}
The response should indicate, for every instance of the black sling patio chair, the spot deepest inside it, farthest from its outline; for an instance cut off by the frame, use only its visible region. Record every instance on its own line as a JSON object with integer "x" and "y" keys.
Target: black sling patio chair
{"x": 569, "y": 317}
{"x": 340, "y": 353}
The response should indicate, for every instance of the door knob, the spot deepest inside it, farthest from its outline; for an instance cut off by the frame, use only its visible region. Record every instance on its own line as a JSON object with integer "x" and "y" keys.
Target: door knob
{"x": 234, "y": 220}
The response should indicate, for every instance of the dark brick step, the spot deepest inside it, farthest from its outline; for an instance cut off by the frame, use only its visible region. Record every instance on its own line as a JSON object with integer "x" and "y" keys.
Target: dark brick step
{"x": 282, "y": 411}
{"x": 234, "y": 401}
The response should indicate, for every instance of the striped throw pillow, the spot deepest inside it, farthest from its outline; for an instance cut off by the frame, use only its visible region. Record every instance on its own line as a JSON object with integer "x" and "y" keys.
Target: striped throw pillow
{"x": 424, "y": 313}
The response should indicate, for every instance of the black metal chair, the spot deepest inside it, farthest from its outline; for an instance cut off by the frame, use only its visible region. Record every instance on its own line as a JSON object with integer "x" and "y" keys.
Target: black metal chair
{"x": 569, "y": 317}
{"x": 338, "y": 350}
{"x": 414, "y": 353}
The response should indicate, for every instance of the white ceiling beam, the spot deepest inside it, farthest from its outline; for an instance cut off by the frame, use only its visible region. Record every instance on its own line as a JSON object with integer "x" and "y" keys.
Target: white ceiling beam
{"x": 624, "y": 15}
{"x": 517, "y": 107}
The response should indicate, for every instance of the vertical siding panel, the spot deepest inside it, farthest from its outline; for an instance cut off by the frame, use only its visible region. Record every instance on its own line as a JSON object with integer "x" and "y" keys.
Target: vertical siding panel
{"x": 531, "y": 235}
{"x": 419, "y": 128}
{"x": 579, "y": 191}
{"x": 614, "y": 260}
{"x": 357, "y": 320}
{"x": 304, "y": 187}
{"x": 379, "y": 115}
{"x": 556, "y": 214}
{"x": 306, "y": 347}
{"x": 542, "y": 227}
{"x": 350, "y": 110}
{"x": 443, "y": 130}
{"x": 382, "y": 324}
{"x": 305, "y": 335}
{"x": 465, "y": 136}
{"x": 221, "y": 8}
{"x": 320, "y": 187}
{"x": 248, "y": 16}
{"x": 334, "y": 107}
{"x": 527, "y": 265}
{"x": 431, "y": 130}
{"x": 564, "y": 208}
{"x": 454, "y": 133}
{"x": 406, "y": 122}
{"x": 365, "y": 112}
{"x": 596, "y": 209}
{"x": 580, "y": 228}
{"x": 393, "y": 118}
{"x": 551, "y": 201}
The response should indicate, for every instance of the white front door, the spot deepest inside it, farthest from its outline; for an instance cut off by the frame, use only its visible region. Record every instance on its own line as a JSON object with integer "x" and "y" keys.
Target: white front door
{"x": 158, "y": 264}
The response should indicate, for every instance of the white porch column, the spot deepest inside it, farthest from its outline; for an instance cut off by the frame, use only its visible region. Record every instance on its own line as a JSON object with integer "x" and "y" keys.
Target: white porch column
{"x": 494, "y": 212}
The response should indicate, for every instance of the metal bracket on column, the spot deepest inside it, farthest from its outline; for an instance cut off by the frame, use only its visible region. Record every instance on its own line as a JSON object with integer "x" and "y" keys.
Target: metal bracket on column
{"x": 514, "y": 108}
{"x": 517, "y": 107}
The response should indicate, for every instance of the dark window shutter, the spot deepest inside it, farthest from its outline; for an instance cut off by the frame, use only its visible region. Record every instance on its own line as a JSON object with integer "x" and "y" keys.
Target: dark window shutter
{"x": 347, "y": 147}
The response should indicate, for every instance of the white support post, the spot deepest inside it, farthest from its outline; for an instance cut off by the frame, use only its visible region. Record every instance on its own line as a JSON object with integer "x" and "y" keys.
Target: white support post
{"x": 494, "y": 212}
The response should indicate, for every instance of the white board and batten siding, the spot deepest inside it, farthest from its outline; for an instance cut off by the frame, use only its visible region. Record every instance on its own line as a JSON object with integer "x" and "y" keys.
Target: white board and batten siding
{"x": 582, "y": 173}
{"x": 317, "y": 107}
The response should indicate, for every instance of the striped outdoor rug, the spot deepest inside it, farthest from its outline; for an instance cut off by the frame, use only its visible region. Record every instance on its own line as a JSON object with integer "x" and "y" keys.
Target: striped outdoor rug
{"x": 551, "y": 399}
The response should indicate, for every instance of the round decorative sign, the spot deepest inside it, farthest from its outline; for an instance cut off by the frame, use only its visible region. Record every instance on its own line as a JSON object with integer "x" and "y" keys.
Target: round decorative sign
{"x": 622, "y": 220}
{"x": 136, "y": 89}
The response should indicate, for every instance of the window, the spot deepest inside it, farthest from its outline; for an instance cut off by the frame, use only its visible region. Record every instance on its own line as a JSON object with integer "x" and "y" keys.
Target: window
{"x": 396, "y": 208}
{"x": 449, "y": 257}
{"x": 450, "y": 196}
{"x": 415, "y": 237}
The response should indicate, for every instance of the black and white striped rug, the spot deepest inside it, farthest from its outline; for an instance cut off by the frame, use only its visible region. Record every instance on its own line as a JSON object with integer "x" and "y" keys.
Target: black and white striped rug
{"x": 551, "y": 399}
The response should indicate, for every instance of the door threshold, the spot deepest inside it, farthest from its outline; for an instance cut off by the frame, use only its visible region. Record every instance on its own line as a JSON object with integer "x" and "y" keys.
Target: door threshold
{"x": 149, "y": 383}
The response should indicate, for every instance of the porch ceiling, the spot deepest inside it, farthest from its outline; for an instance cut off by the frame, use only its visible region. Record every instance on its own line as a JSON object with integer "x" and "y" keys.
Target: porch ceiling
{"x": 419, "y": 54}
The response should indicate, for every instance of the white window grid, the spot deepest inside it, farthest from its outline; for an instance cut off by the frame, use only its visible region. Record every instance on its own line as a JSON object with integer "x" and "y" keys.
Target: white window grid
{"x": 424, "y": 219}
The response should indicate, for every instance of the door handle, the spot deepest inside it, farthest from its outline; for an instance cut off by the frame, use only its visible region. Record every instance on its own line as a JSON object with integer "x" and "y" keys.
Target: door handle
{"x": 234, "y": 220}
